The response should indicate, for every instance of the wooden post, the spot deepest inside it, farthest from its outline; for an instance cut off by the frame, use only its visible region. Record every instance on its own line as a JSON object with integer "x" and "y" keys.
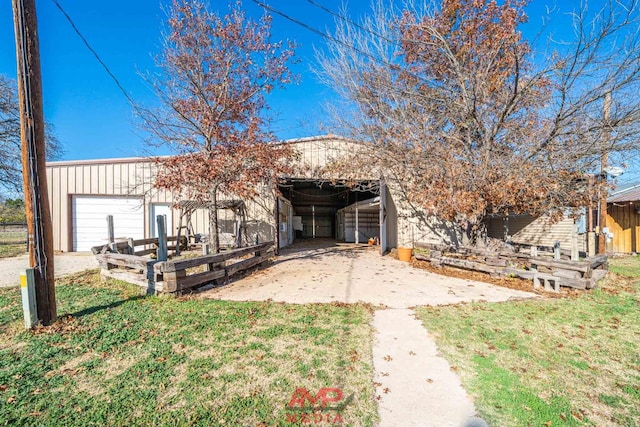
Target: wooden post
{"x": 591, "y": 243}
{"x": 556, "y": 250}
{"x": 534, "y": 250}
{"x": 604, "y": 160}
{"x": 131, "y": 248}
{"x": 162, "y": 254}
{"x": 33, "y": 145}
{"x": 110, "y": 233}
{"x": 178, "y": 235}
{"x": 575, "y": 254}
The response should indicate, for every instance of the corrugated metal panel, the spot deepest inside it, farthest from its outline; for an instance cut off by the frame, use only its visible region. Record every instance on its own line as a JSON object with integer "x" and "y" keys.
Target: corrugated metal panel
{"x": 368, "y": 226}
{"x": 528, "y": 230}
{"x": 631, "y": 194}
{"x": 132, "y": 176}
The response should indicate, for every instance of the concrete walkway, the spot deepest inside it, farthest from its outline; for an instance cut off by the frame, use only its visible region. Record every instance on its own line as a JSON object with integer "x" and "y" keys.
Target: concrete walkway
{"x": 421, "y": 389}
{"x": 416, "y": 386}
{"x": 64, "y": 264}
{"x": 324, "y": 272}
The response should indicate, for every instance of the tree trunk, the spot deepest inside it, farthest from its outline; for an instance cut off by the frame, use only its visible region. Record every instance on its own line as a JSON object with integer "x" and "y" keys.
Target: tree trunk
{"x": 214, "y": 238}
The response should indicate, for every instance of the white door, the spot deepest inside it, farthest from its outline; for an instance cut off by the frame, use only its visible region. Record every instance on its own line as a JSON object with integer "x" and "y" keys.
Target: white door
{"x": 161, "y": 209}
{"x": 90, "y": 219}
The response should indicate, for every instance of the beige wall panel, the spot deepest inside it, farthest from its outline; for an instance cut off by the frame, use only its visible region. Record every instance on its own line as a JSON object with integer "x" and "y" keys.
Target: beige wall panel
{"x": 62, "y": 199}
{"x": 55, "y": 207}
{"x": 117, "y": 178}
{"x": 108, "y": 179}
{"x": 82, "y": 179}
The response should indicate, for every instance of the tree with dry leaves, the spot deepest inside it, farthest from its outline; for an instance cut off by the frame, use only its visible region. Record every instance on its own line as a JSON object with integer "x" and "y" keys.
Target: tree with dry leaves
{"x": 10, "y": 143}
{"x": 215, "y": 73}
{"x": 469, "y": 118}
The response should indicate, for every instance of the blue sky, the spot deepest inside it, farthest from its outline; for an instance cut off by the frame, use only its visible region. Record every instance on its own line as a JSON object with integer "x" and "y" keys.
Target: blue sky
{"x": 93, "y": 119}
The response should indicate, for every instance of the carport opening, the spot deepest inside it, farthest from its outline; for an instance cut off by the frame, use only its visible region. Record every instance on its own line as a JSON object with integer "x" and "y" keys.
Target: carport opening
{"x": 327, "y": 210}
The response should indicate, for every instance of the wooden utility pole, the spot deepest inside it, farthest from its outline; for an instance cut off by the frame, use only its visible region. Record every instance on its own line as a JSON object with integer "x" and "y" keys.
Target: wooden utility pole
{"x": 604, "y": 160}
{"x": 34, "y": 157}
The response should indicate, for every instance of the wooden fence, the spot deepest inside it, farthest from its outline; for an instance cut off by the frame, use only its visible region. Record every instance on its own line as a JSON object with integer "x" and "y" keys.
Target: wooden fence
{"x": 132, "y": 247}
{"x": 177, "y": 276}
{"x": 543, "y": 271}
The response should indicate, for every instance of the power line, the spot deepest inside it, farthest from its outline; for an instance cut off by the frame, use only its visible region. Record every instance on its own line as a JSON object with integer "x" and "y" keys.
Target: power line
{"x": 322, "y": 34}
{"x": 341, "y": 42}
{"x": 351, "y": 22}
{"x": 84, "y": 40}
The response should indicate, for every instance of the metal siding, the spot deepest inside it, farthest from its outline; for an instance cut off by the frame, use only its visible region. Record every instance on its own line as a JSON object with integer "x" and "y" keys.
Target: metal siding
{"x": 117, "y": 178}
{"x": 83, "y": 180}
{"x": 108, "y": 179}
{"x": 62, "y": 200}
{"x": 55, "y": 207}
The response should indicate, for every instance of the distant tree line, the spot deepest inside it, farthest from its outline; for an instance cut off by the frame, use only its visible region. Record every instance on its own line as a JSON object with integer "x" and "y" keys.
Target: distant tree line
{"x": 10, "y": 145}
{"x": 12, "y": 211}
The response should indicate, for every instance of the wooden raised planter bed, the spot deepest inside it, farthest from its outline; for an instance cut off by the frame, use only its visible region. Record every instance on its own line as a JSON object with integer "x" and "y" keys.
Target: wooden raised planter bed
{"x": 543, "y": 271}
{"x": 172, "y": 276}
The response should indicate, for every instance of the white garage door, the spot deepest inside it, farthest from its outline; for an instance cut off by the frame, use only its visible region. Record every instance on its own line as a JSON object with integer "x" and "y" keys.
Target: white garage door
{"x": 90, "y": 219}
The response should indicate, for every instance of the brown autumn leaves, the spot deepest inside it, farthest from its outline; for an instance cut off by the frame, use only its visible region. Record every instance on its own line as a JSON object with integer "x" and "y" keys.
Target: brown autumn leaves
{"x": 467, "y": 117}
{"x": 449, "y": 100}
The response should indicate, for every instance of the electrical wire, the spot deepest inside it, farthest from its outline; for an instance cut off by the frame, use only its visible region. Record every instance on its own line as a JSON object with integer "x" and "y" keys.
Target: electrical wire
{"x": 322, "y": 34}
{"x": 86, "y": 42}
{"x": 351, "y": 22}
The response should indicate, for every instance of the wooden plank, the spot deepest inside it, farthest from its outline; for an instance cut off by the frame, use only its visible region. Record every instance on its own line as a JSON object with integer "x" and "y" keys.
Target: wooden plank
{"x": 469, "y": 265}
{"x": 142, "y": 242}
{"x": 497, "y": 262}
{"x": 582, "y": 266}
{"x": 136, "y": 279}
{"x": 578, "y": 283}
{"x": 124, "y": 260}
{"x": 171, "y": 280}
{"x": 422, "y": 257}
{"x": 145, "y": 252}
{"x": 598, "y": 261}
{"x": 194, "y": 280}
{"x": 568, "y": 274}
{"x": 245, "y": 264}
{"x": 212, "y": 259}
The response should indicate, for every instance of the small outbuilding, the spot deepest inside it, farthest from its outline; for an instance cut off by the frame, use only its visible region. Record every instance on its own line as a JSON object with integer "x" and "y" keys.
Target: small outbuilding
{"x": 623, "y": 220}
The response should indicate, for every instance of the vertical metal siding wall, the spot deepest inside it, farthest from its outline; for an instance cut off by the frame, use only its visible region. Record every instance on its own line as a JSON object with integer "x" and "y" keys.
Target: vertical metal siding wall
{"x": 119, "y": 178}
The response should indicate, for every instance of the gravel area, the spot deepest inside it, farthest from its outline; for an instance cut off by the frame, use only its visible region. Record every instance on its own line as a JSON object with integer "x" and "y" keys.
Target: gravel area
{"x": 64, "y": 264}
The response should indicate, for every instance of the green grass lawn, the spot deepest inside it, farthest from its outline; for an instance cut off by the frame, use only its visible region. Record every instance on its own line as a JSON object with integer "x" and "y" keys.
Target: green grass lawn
{"x": 115, "y": 358}
{"x": 12, "y": 243}
{"x": 550, "y": 362}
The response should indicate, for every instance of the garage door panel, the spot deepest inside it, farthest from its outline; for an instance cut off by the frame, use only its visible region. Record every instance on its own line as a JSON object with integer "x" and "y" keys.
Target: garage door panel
{"x": 90, "y": 219}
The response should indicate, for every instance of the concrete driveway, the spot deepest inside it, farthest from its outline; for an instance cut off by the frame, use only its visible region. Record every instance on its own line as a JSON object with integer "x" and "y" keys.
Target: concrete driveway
{"x": 66, "y": 263}
{"x": 325, "y": 271}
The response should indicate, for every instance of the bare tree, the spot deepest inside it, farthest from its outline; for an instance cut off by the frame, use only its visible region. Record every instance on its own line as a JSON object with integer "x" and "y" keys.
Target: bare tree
{"x": 216, "y": 71}
{"x": 472, "y": 118}
{"x": 10, "y": 145}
